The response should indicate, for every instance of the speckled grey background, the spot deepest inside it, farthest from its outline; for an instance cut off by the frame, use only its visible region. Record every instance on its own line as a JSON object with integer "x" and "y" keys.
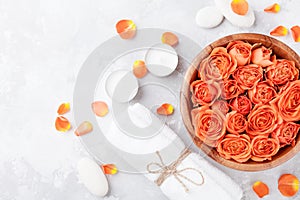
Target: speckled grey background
{"x": 42, "y": 47}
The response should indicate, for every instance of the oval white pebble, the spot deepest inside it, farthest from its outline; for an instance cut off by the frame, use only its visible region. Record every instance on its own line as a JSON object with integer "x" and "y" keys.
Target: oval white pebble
{"x": 209, "y": 17}
{"x": 92, "y": 176}
{"x": 238, "y": 20}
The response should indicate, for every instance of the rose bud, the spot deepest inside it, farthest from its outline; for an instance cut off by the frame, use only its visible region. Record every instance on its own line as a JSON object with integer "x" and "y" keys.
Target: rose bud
{"x": 241, "y": 51}
{"x": 262, "y": 56}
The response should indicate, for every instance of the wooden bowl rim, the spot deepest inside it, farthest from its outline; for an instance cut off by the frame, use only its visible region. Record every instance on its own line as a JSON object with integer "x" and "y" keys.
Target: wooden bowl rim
{"x": 185, "y": 102}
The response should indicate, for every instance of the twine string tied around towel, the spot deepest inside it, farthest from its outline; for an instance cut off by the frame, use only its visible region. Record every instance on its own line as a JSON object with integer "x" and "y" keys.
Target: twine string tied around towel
{"x": 166, "y": 171}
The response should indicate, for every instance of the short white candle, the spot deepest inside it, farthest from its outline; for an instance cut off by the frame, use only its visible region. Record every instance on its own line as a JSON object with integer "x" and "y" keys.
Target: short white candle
{"x": 161, "y": 60}
{"x": 121, "y": 86}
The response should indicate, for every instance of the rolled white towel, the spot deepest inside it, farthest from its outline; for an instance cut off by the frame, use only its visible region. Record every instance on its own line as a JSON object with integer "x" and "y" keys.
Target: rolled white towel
{"x": 217, "y": 185}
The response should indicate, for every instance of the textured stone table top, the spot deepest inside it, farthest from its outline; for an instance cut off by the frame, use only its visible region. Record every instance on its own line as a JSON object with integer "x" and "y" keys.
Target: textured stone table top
{"x": 43, "y": 45}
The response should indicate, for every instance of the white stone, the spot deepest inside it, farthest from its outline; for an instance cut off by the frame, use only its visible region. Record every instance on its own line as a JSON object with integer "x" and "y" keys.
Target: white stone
{"x": 92, "y": 176}
{"x": 209, "y": 17}
{"x": 238, "y": 20}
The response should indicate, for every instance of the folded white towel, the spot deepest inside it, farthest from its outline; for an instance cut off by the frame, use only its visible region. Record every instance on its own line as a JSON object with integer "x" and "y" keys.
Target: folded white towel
{"x": 217, "y": 185}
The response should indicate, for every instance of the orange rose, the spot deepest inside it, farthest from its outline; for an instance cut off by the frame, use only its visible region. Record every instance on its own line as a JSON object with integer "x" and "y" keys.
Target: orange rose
{"x": 221, "y": 106}
{"x": 230, "y": 89}
{"x": 263, "y": 148}
{"x": 248, "y": 76}
{"x": 241, "y": 104}
{"x": 235, "y": 122}
{"x": 263, "y": 92}
{"x": 219, "y": 65}
{"x": 241, "y": 51}
{"x": 204, "y": 92}
{"x": 262, "y": 120}
{"x": 282, "y": 72}
{"x": 286, "y": 133}
{"x": 262, "y": 56}
{"x": 236, "y": 147}
{"x": 209, "y": 125}
{"x": 288, "y": 102}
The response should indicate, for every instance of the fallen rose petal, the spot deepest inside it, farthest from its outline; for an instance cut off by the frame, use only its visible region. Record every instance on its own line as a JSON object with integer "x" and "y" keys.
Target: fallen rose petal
{"x": 139, "y": 69}
{"x": 83, "y": 128}
{"x": 100, "y": 108}
{"x": 240, "y": 7}
{"x": 288, "y": 185}
{"x": 296, "y": 33}
{"x": 126, "y": 28}
{"x": 260, "y": 188}
{"x": 63, "y": 108}
{"x": 62, "y": 124}
{"x": 279, "y": 31}
{"x": 275, "y": 8}
{"x": 165, "y": 109}
{"x": 169, "y": 38}
{"x": 110, "y": 169}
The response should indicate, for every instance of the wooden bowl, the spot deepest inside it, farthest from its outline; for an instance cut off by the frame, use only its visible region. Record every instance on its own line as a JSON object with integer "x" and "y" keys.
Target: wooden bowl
{"x": 281, "y": 50}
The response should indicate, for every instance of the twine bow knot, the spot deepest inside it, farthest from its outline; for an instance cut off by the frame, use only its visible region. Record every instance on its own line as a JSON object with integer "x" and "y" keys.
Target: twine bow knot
{"x": 166, "y": 171}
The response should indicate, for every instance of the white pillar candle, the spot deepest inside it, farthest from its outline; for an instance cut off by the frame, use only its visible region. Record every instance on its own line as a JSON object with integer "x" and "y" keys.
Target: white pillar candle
{"x": 161, "y": 60}
{"x": 121, "y": 86}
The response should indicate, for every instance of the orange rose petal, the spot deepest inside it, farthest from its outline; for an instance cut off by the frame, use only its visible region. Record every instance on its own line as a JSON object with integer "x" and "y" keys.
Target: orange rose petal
{"x": 62, "y": 124}
{"x": 260, "y": 188}
{"x": 126, "y": 29}
{"x": 100, "y": 108}
{"x": 279, "y": 31}
{"x": 275, "y": 8}
{"x": 296, "y": 33}
{"x": 63, "y": 108}
{"x": 239, "y": 7}
{"x": 288, "y": 185}
{"x": 109, "y": 169}
{"x": 83, "y": 128}
{"x": 169, "y": 38}
{"x": 165, "y": 109}
{"x": 139, "y": 69}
